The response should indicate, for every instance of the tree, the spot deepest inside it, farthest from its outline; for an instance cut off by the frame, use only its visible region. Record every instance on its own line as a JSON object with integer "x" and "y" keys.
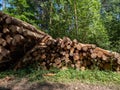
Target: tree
{"x": 0, "y": 5}
{"x": 90, "y": 26}
{"x": 111, "y": 17}
{"x": 21, "y": 9}
{"x": 78, "y": 19}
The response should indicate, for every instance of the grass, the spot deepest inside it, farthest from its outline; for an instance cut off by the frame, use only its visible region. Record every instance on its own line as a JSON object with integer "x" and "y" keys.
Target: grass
{"x": 69, "y": 75}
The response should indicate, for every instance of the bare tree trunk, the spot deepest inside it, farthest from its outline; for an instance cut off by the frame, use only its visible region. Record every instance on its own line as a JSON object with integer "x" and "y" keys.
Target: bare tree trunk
{"x": 76, "y": 18}
{"x": 50, "y": 22}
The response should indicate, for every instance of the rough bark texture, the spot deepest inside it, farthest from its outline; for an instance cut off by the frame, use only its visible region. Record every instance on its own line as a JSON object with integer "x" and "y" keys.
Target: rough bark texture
{"x": 21, "y": 44}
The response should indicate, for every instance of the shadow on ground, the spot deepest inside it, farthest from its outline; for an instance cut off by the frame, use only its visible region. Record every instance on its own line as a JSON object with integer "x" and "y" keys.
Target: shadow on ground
{"x": 25, "y": 84}
{"x": 48, "y": 86}
{"x": 3, "y": 88}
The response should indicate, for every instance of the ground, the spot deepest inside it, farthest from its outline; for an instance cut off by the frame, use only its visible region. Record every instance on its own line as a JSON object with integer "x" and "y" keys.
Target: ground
{"x": 55, "y": 79}
{"x": 12, "y": 83}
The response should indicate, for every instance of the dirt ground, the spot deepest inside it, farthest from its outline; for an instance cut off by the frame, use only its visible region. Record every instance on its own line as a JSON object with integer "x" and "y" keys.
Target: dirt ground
{"x": 10, "y": 83}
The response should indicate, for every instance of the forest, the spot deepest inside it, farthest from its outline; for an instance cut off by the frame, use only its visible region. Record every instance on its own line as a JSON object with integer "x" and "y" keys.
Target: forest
{"x": 59, "y": 44}
{"x": 89, "y": 21}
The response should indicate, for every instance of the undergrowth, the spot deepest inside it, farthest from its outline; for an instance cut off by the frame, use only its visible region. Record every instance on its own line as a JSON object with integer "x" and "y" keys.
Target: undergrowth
{"x": 66, "y": 76}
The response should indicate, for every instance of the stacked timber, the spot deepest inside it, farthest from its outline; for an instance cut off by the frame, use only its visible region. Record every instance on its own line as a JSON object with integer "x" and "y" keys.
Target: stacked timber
{"x": 16, "y": 39}
{"x": 21, "y": 44}
{"x": 64, "y": 53}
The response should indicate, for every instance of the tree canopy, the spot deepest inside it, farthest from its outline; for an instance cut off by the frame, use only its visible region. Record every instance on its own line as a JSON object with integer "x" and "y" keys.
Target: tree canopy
{"x": 89, "y": 21}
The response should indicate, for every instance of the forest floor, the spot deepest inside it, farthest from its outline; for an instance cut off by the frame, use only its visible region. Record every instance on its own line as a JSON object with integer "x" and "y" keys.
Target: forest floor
{"x": 25, "y": 84}
{"x": 70, "y": 79}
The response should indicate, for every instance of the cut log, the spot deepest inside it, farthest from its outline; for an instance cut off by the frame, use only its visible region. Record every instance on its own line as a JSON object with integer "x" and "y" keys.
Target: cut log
{"x": 6, "y": 30}
{"x": 8, "y": 39}
{"x": 76, "y": 56}
{"x": 2, "y": 42}
{"x": 8, "y": 20}
{"x": 1, "y": 57}
{"x": 72, "y": 51}
{"x": 78, "y": 46}
{"x": 16, "y": 29}
{"x": 4, "y": 51}
{"x": 93, "y": 55}
{"x": 0, "y": 35}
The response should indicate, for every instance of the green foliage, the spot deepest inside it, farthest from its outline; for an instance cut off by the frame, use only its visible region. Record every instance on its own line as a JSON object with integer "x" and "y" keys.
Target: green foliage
{"x": 77, "y": 20}
{"x": 111, "y": 17}
{"x": 68, "y": 75}
{"x": 89, "y": 21}
{"x": 91, "y": 29}
{"x": 21, "y": 9}
{"x": 115, "y": 46}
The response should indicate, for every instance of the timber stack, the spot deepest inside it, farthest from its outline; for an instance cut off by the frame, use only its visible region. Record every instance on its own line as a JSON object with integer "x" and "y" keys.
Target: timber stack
{"x": 21, "y": 44}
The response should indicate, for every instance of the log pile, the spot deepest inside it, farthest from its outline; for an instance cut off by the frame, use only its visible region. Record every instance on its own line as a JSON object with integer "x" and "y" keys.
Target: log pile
{"x": 21, "y": 45}
{"x": 64, "y": 52}
{"x": 16, "y": 39}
